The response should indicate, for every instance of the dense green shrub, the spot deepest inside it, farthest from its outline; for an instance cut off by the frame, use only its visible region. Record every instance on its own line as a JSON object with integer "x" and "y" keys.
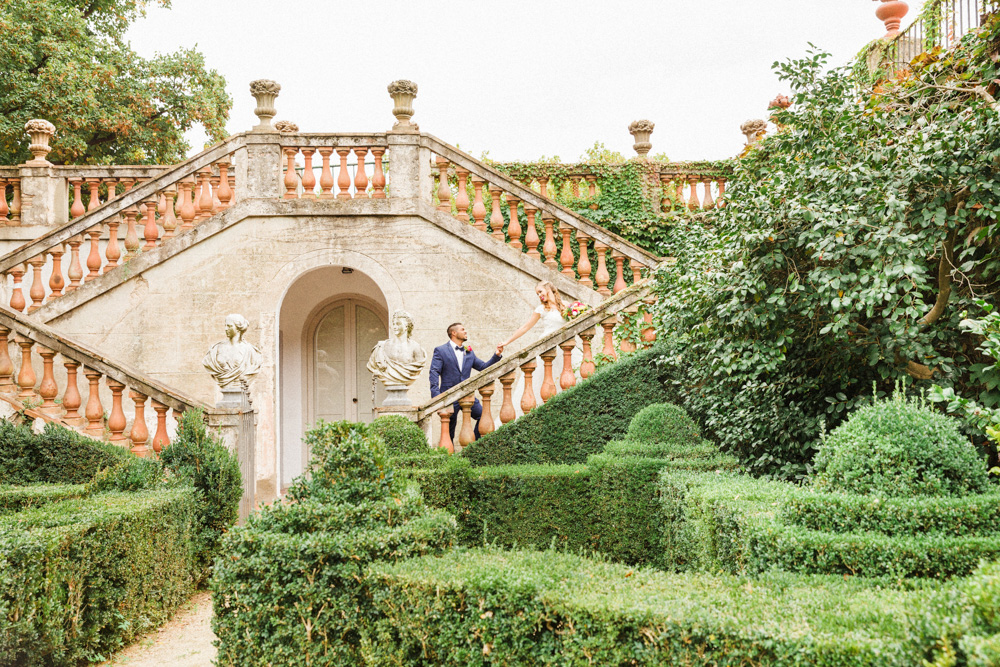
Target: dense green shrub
{"x": 57, "y": 455}
{"x": 662, "y": 450}
{"x": 289, "y": 586}
{"x": 199, "y": 458}
{"x": 130, "y": 474}
{"x": 434, "y": 458}
{"x": 401, "y": 436}
{"x": 580, "y": 420}
{"x": 17, "y": 498}
{"x": 899, "y": 447}
{"x": 663, "y": 422}
{"x": 489, "y": 607}
{"x": 81, "y": 577}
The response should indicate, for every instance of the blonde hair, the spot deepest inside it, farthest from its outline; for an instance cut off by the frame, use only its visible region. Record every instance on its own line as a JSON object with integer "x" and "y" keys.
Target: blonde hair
{"x": 554, "y": 298}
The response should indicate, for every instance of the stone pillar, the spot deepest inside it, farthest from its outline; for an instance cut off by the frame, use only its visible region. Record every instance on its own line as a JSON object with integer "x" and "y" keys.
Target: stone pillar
{"x": 258, "y": 167}
{"x": 411, "y": 167}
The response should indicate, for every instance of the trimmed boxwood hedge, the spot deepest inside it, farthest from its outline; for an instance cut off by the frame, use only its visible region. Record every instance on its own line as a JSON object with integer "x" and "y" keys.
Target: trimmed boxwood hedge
{"x": 580, "y": 420}
{"x": 17, "y": 498}
{"x": 57, "y": 455}
{"x": 489, "y": 607}
{"x": 82, "y": 577}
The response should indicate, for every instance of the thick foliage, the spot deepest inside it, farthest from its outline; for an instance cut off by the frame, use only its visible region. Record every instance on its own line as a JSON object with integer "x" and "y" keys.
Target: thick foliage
{"x": 579, "y": 421}
{"x": 899, "y": 447}
{"x": 663, "y": 422}
{"x": 17, "y": 498}
{"x": 55, "y": 456}
{"x": 401, "y": 436}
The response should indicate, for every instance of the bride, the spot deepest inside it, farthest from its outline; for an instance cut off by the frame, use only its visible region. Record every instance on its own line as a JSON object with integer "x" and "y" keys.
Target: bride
{"x": 549, "y": 313}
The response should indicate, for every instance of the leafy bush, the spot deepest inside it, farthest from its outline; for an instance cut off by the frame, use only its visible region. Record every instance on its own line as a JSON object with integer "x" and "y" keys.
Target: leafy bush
{"x": 17, "y": 498}
{"x": 80, "y": 578}
{"x": 57, "y": 455}
{"x": 199, "y": 458}
{"x": 401, "y": 436}
{"x": 899, "y": 447}
{"x": 663, "y": 422}
{"x": 129, "y": 474}
{"x": 488, "y": 607}
{"x": 578, "y": 421}
{"x": 434, "y": 458}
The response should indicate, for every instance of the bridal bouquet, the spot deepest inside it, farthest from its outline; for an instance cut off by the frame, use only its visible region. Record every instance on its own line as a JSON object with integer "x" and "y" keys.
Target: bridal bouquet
{"x": 574, "y": 309}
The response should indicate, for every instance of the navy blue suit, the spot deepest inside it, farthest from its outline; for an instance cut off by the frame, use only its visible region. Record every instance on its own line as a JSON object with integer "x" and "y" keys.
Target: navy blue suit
{"x": 445, "y": 374}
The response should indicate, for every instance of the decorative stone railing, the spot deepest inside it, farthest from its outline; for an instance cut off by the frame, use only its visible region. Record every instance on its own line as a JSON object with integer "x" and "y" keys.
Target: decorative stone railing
{"x": 539, "y": 240}
{"x": 166, "y": 205}
{"x": 602, "y": 319}
{"x": 349, "y": 173}
{"x": 40, "y": 397}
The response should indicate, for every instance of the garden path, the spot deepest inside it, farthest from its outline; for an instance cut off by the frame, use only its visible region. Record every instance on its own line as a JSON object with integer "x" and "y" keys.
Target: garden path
{"x": 184, "y": 641}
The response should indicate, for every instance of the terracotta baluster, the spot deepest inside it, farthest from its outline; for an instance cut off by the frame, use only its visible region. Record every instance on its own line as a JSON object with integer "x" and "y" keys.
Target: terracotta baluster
{"x": 496, "y": 220}
{"x": 308, "y": 180}
{"x": 528, "y": 402}
{"x": 583, "y": 266}
{"x": 94, "y": 187}
{"x": 112, "y": 252}
{"x": 71, "y": 397}
{"x": 16, "y": 295}
{"x": 566, "y": 256}
{"x": 478, "y": 208}
{"x": 169, "y": 220}
{"x": 94, "y": 256}
{"x": 196, "y": 197}
{"x": 462, "y": 196}
{"x": 575, "y": 185}
{"x": 139, "y": 433}
{"x": 94, "y": 412}
{"x": 531, "y": 233}
{"x": 602, "y": 277}
{"x": 486, "y": 420}
{"x": 37, "y": 291}
{"x": 609, "y": 342}
{"x": 76, "y": 209}
{"x": 679, "y": 192}
{"x": 543, "y": 186}
{"x": 548, "y": 389}
{"x": 116, "y": 420}
{"x": 445, "y": 441}
{"x": 619, "y": 271}
{"x": 26, "y": 376}
{"x": 467, "y": 434}
{"x": 3, "y": 203}
{"x": 205, "y": 203}
{"x": 225, "y": 191}
{"x": 232, "y": 183}
{"x": 587, "y": 366}
{"x": 444, "y": 189}
{"x": 291, "y": 180}
{"x": 48, "y": 389}
{"x": 567, "y": 378}
{"x": 150, "y": 231}
{"x": 693, "y": 203}
{"x": 720, "y": 201}
{"x": 325, "y": 174}
{"x": 131, "y": 234}
{"x": 112, "y": 185}
{"x": 160, "y": 440}
{"x": 56, "y": 282}
{"x": 360, "y": 174}
{"x": 344, "y": 177}
{"x": 648, "y": 331}
{"x": 216, "y": 204}
{"x": 591, "y": 186}
{"x": 75, "y": 271}
{"x": 627, "y": 344}
{"x": 514, "y": 227}
{"x": 636, "y": 271}
{"x": 507, "y": 413}
{"x": 187, "y": 210}
{"x": 708, "y": 203}
{"x": 15, "y": 203}
{"x": 549, "y": 249}
{"x": 6, "y": 364}
{"x": 378, "y": 176}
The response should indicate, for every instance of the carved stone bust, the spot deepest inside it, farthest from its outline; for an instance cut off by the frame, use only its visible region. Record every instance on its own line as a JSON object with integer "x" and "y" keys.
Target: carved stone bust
{"x": 399, "y": 359}
{"x": 234, "y": 359}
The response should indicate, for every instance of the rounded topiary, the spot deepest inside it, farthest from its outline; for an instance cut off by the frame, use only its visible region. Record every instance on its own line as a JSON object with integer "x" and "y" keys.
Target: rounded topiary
{"x": 899, "y": 447}
{"x": 663, "y": 422}
{"x": 401, "y": 436}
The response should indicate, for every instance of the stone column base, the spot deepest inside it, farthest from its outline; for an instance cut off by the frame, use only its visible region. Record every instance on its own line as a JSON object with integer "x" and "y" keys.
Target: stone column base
{"x": 408, "y": 411}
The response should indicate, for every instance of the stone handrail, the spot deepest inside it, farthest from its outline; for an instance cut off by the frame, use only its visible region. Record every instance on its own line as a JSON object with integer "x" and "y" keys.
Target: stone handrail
{"x": 603, "y": 314}
{"x": 306, "y": 185}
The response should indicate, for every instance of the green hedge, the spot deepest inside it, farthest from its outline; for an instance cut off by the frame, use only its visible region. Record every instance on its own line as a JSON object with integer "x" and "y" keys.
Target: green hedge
{"x": 17, "y": 498}
{"x": 432, "y": 459}
{"x": 663, "y": 422}
{"x": 661, "y": 450}
{"x": 490, "y": 607}
{"x": 401, "y": 436}
{"x": 80, "y": 578}
{"x": 55, "y": 456}
{"x": 579, "y": 421}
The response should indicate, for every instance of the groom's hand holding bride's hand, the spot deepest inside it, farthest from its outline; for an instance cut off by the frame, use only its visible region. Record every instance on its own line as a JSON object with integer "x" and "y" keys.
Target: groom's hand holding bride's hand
{"x": 500, "y": 349}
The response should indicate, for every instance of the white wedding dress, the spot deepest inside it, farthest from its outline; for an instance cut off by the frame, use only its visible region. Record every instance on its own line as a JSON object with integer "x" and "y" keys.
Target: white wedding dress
{"x": 550, "y": 320}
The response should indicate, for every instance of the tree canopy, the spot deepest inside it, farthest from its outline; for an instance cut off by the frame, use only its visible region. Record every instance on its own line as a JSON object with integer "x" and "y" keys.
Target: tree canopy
{"x": 66, "y": 61}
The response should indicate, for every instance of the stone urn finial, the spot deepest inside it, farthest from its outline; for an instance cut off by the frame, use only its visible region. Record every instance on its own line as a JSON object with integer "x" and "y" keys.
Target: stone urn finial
{"x": 891, "y": 13}
{"x": 40, "y": 132}
{"x": 641, "y": 129}
{"x": 403, "y": 92}
{"x": 264, "y": 91}
{"x": 286, "y": 127}
{"x": 754, "y": 130}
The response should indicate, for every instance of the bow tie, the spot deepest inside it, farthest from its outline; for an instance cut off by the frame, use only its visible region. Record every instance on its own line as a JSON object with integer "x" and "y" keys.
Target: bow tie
{"x": 459, "y": 348}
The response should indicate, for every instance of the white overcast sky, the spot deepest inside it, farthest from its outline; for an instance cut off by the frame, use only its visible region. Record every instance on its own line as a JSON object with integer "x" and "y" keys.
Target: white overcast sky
{"x": 517, "y": 79}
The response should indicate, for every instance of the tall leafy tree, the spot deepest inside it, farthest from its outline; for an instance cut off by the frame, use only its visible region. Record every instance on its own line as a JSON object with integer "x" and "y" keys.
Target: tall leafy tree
{"x": 66, "y": 61}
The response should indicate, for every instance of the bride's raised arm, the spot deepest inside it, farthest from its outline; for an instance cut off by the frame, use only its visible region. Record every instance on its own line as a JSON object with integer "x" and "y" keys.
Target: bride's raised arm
{"x": 523, "y": 330}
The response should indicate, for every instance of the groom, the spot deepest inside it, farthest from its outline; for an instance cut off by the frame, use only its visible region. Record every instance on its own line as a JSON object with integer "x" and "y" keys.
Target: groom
{"x": 452, "y": 363}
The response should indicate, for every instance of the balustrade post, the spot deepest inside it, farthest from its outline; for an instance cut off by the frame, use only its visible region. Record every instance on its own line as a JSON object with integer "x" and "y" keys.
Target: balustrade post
{"x": 513, "y": 227}
{"x": 587, "y": 366}
{"x": 566, "y": 256}
{"x": 56, "y": 282}
{"x": 478, "y": 208}
{"x": 169, "y": 220}
{"x": 48, "y": 389}
{"x": 205, "y": 203}
{"x": 609, "y": 342}
{"x": 444, "y": 189}
{"x": 131, "y": 234}
{"x": 360, "y": 175}
{"x": 3, "y": 203}
{"x": 486, "y": 420}
{"x": 567, "y": 378}
{"x": 94, "y": 256}
{"x": 187, "y": 206}
{"x": 225, "y": 192}
{"x": 6, "y": 364}
{"x": 467, "y": 434}
{"x": 664, "y": 197}
{"x": 116, "y": 420}
{"x": 636, "y": 271}
{"x": 94, "y": 187}
{"x": 308, "y": 185}
{"x": 543, "y": 186}
{"x": 591, "y": 185}
{"x": 462, "y": 196}
{"x": 445, "y": 441}
{"x": 693, "y": 203}
{"x": 26, "y": 375}
{"x": 325, "y": 174}
{"x": 75, "y": 271}
{"x": 507, "y": 412}
{"x": 94, "y": 412}
{"x": 496, "y": 220}
{"x": 648, "y": 332}
{"x": 619, "y": 271}
{"x": 574, "y": 181}
{"x": 15, "y": 203}
{"x": 37, "y": 291}
{"x": 721, "y": 202}
{"x": 76, "y": 209}
{"x": 214, "y": 182}
{"x": 548, "y": 389}
{"x": 583, "y": 265}
{"x": 291, "y": 181}
{"x": 344, "y": 176}
{"x": 627, "y": 344}
{"x": 378, "y": 175}
{"x": 602, "y": 276}
{"x": 528, "y": 402}
{"x": 16, "y": 295}
{"x": 549, "y": 248}
{"x": 531, "y": 233}
{"x": 150, "y": 232}
{"x": 139, "y": 433}
{"x": 708, "y": 203}
{"x": 71, "y": 397}
{"x": 160, "y": 440}
{"x": 679, "y": 191}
